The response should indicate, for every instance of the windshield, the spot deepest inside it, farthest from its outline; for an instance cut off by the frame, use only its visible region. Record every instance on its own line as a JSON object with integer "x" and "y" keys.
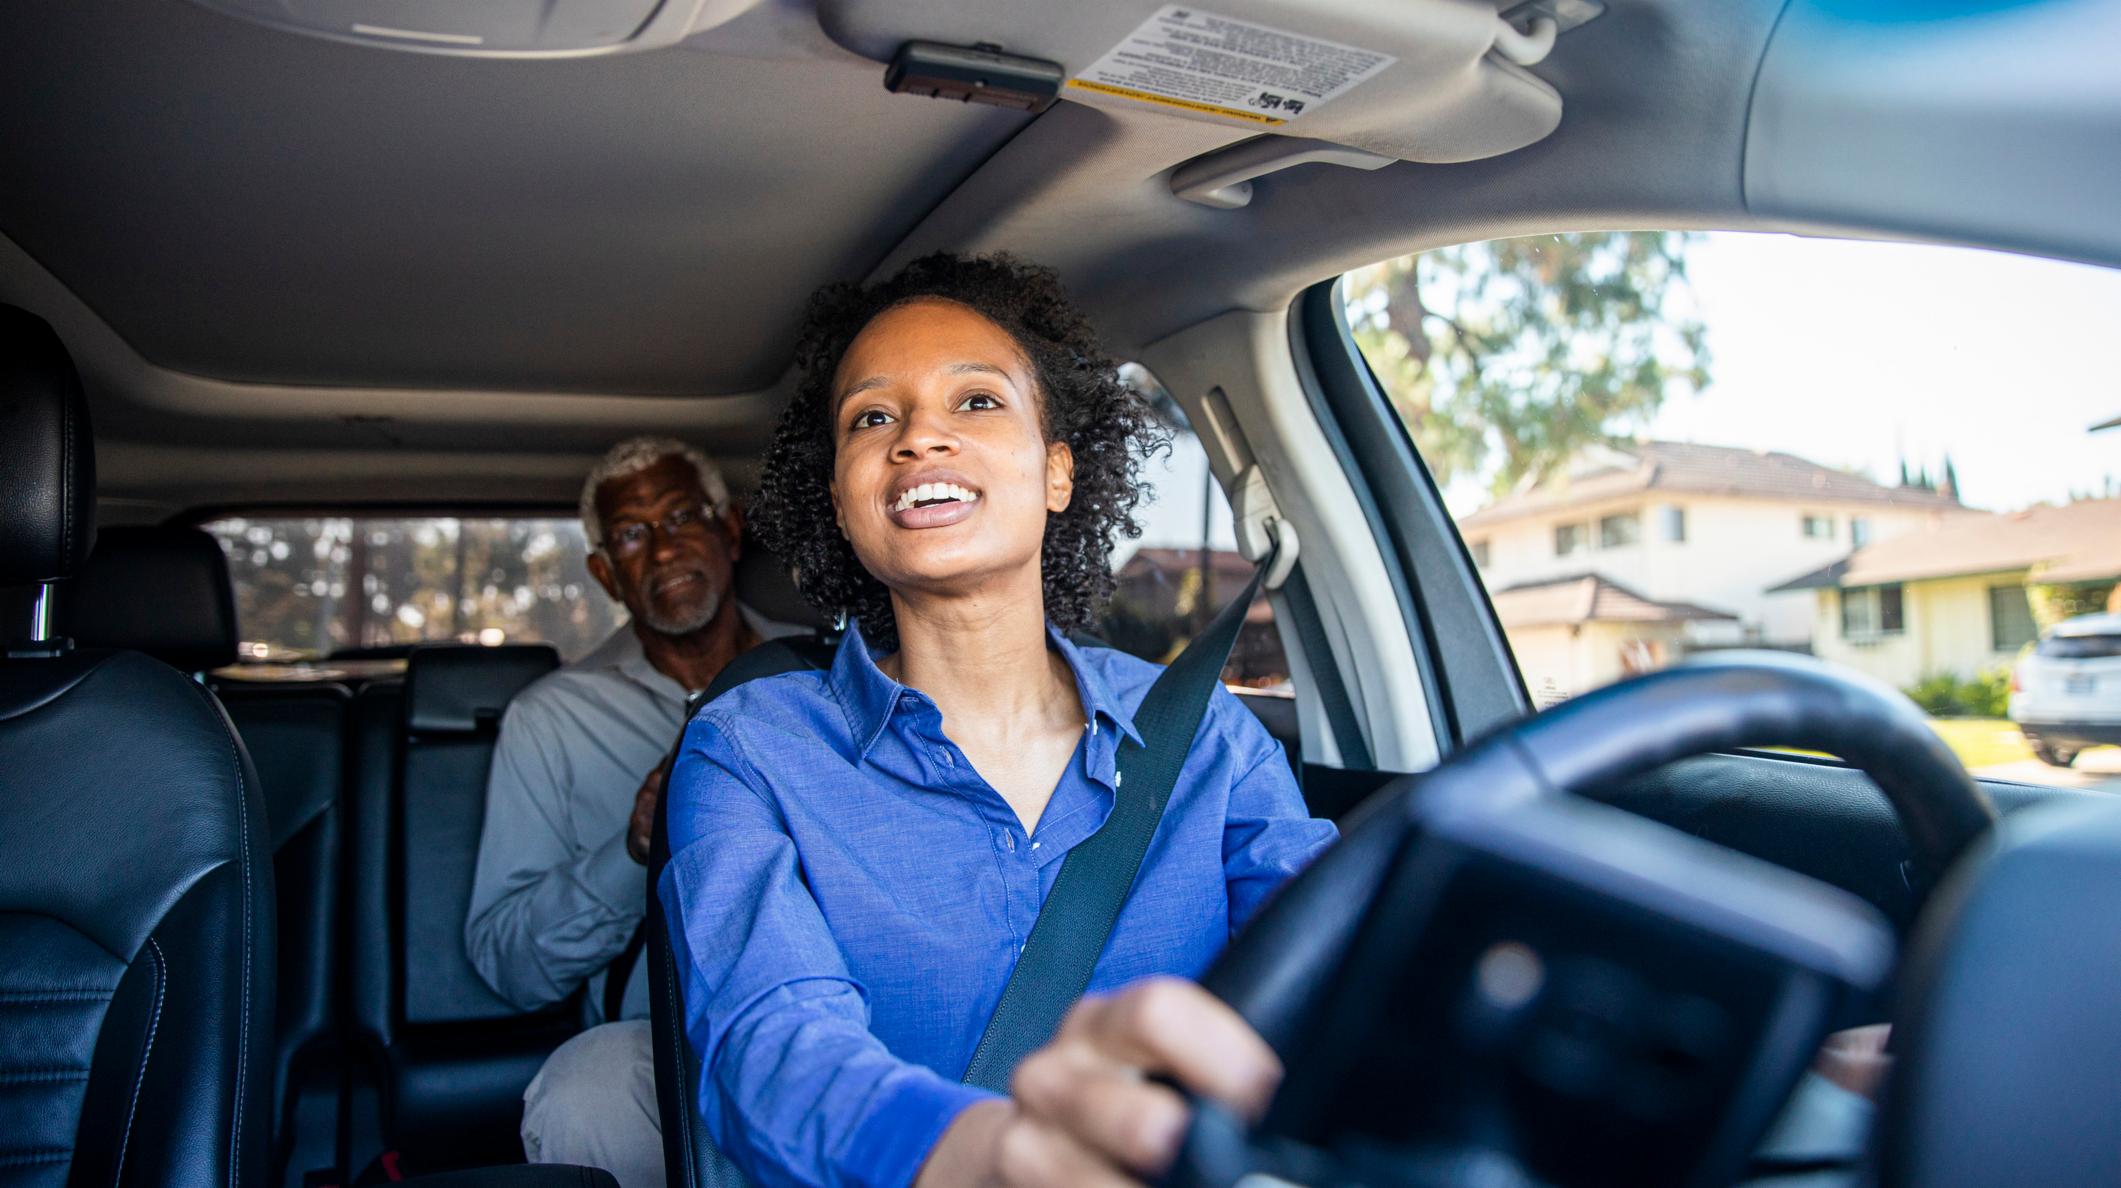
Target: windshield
{"x": 1897, "y": 457}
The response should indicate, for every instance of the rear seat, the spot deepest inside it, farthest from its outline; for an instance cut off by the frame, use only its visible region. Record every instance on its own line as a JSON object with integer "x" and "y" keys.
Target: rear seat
{"x": 165, "y": 592}
{"x": 453, "y": 1059}
{"x": 375, "y": 800}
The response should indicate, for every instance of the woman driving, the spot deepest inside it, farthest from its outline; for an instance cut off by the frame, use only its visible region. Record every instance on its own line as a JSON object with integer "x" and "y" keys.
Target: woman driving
{"x": 859, "y": 854}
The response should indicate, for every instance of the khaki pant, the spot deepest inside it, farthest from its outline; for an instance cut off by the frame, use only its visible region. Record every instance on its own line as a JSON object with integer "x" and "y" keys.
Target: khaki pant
{"x": 593, "y": 1104}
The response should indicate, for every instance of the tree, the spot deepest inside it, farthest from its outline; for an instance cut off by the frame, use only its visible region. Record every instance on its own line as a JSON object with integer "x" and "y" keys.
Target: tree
{"x": 1504, "y": 358}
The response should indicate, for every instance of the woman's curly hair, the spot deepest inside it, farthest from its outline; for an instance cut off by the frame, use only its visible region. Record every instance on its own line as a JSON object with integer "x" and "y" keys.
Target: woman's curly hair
{"x": 1083, "y": 402}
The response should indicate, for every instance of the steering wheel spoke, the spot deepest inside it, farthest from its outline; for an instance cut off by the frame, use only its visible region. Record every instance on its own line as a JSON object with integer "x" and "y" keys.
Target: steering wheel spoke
{"x": 1492, "y": 971}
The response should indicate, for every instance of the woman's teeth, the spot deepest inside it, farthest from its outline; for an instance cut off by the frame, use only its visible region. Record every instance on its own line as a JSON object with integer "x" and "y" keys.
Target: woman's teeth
{"x": 934, "y": 493}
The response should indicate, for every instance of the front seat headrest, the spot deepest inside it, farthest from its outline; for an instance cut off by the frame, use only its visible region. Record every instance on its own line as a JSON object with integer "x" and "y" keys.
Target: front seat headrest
{"x": 464, "y": 688}
{"x": 47, "y": 459}
{"x": 163, "y": 591}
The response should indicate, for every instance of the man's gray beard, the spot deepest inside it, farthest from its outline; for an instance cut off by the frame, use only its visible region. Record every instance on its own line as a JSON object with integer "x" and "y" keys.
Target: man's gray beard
{"x": 690, "y": 623}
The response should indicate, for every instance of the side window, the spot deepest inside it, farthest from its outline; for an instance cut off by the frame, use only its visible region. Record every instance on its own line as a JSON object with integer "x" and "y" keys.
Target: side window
{"x": 2010, "y": 618}
{"x": 312, "y": 587}
{"x": 1662, "y": 444}
{"x": 1872, "y": 612}
{"x": 1185, "y": 565}
{"x": 1619, "y": 531}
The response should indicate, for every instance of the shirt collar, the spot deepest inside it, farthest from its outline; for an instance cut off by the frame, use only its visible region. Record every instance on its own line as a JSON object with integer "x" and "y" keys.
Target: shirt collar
{"x": 623, "y": 652}
{"x": 1098, "y": 700}
{"x": 868, "y": 697}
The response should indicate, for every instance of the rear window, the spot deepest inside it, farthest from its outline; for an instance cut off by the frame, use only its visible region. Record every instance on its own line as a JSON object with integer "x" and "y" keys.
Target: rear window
{"x": 314, "y": 587}
{"x": 2080, "y": 647}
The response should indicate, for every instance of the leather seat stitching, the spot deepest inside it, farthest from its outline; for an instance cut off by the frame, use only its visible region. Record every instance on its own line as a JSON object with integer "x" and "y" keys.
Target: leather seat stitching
{"x": 43, "y": 1076}
{"x": 147, "y": 1051}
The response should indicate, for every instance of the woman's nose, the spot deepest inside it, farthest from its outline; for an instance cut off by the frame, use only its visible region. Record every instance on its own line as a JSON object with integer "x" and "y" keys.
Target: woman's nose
{"x": 924, "y": 433}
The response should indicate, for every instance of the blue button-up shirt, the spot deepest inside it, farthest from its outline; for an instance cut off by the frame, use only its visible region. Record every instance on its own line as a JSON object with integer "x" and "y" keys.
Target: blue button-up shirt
{"x": 847, "y": 897}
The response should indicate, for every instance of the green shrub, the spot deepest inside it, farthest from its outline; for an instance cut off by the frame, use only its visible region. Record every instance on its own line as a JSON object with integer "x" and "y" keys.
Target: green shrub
{"x": 1948, "y": 695}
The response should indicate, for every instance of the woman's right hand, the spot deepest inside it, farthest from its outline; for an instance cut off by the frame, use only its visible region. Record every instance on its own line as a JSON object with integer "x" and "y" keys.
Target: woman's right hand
{"x": 1083, "y": 1110}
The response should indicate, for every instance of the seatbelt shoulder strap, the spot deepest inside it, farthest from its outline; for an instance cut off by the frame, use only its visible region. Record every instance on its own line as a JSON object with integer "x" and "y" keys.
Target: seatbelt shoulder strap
{"x": 1096, "y": 877}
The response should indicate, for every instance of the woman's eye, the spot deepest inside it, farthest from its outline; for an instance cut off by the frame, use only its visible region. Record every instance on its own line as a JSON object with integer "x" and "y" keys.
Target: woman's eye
{"x": 871, "y": 419}
{"x": 980, "y": 401}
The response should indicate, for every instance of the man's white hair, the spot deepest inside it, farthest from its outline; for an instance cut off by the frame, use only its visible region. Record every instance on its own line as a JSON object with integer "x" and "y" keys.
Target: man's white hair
{"x": 637, "y": 454}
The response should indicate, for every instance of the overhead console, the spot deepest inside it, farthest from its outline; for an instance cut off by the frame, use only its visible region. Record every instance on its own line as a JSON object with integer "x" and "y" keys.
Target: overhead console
{"x": 1343, "y": 82}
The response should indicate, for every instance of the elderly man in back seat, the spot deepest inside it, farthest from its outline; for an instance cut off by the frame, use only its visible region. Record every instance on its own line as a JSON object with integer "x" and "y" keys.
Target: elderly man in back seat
{"x": 559, "y": 889}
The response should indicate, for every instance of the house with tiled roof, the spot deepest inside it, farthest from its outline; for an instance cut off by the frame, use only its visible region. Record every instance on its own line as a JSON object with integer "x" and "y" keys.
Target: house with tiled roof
{"x": 1710, "y": 528}
{"x": 1966, "y": 594}
{"x": 1578, "y": 632}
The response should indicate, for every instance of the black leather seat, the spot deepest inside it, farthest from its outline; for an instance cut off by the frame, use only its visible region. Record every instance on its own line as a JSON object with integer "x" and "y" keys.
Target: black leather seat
{"x": 136, "y": 910}
{"x": 454, "y": 1059}
{"x": 165, "y": 591}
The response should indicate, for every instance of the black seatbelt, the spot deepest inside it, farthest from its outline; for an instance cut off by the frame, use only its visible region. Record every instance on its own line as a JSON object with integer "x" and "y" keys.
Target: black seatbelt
{"x": 1096, "y": 876}
{"x": 770, "y": 658}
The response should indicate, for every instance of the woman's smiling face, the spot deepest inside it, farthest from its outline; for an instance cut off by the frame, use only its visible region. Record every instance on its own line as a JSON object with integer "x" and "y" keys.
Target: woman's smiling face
{"x": 942, "y": 475}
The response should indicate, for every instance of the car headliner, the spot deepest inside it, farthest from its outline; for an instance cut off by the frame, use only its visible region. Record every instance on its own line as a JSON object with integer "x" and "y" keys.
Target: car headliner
{"x": 294, "y": 269}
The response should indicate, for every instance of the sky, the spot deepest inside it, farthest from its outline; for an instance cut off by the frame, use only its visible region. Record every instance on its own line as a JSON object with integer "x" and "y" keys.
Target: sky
{"x": 1855, "y": 354}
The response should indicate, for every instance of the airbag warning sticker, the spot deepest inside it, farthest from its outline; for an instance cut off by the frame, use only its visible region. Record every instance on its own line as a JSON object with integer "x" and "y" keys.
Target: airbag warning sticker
{"x": 1214, "y": 65}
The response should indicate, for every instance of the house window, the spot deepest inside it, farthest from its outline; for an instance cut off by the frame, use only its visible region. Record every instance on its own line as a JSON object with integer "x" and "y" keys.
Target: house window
{"x": 1859, "y": 532}
{"x": 1818, "y": 527}
{"x": 2010, "y": 618}
{"x": 1871, "y": 612}
{"x": 1672, "y": 521}
{"x": 1568, "y": 539}
{"x": 1480, "y": 553}
{"x": 1619, "y": 530}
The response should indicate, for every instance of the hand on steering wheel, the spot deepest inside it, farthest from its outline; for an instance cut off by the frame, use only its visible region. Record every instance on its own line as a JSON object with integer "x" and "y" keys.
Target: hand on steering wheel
{"x": 1095, "y": 1107}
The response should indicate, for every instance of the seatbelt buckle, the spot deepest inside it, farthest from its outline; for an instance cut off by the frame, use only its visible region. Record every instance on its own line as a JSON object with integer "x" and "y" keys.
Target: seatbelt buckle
{"x": 1263, "y": 536}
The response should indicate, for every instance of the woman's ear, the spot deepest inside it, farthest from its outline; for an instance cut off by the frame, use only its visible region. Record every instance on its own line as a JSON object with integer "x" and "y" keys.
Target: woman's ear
{"x": 839, "y": 514}
{"x": 1060, "y": 476}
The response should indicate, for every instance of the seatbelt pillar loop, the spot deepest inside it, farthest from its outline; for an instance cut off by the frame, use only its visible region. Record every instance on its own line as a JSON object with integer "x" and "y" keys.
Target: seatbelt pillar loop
{"x": 1095, "y": 878}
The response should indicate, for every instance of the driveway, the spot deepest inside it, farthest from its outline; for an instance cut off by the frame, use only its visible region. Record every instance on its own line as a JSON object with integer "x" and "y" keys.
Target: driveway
{"x": 2096, "y": 771}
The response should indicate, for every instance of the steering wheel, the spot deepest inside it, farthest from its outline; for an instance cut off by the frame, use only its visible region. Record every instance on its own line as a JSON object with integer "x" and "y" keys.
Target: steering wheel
{"x": 1493, "y": 975}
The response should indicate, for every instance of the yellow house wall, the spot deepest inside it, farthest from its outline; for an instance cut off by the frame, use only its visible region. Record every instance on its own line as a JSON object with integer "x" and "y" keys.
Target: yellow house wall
{"x": 1947, "y": 630}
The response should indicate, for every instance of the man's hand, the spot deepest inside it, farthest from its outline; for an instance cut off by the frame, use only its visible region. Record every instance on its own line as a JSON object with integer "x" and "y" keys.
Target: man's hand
{"x": 1084, "y": 1111}
{"x": 1856, "y": 1059}
{"x": 642, "y": 825}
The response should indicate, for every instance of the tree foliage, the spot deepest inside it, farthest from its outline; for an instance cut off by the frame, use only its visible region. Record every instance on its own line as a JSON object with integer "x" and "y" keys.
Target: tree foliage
{"x": 1506, "y": 357}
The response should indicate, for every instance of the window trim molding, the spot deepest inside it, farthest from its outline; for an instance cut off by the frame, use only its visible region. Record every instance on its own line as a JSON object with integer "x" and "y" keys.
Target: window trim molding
{"x": 1466, "y": 666}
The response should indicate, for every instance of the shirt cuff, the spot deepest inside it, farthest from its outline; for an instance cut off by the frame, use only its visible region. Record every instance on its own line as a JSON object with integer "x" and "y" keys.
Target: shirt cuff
{"x": 614, "y": 877}
{"x": 894, "y": 1140}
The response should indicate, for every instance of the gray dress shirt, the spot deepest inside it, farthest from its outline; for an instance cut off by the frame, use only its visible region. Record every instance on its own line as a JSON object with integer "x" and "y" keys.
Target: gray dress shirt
{"x": 555, "y": 896}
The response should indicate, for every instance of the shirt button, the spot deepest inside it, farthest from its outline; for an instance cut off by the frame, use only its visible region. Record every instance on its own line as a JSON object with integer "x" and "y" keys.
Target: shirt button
{"x": 947, "y": 760}
{"x": 1009, "y": 842}
{"x": 1118, "y": 777}
{"x": 1035, "y": 845}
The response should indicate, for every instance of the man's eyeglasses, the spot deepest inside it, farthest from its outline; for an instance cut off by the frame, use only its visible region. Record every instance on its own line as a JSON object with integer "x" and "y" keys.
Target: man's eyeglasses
{"x": 629, "y": 538}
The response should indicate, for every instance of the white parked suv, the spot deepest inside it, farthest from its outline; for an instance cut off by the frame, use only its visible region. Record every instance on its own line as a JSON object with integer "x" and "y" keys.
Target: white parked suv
{"x": 2066, "y": 692}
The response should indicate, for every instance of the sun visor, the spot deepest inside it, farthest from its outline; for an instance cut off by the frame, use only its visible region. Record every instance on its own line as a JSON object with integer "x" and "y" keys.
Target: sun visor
{"x": 491, "y": 28}
{"x": 1421, "y": 80}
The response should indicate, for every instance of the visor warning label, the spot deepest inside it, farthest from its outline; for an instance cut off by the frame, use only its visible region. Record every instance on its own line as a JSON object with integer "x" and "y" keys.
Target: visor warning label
{"x": 1218, "y": 66}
